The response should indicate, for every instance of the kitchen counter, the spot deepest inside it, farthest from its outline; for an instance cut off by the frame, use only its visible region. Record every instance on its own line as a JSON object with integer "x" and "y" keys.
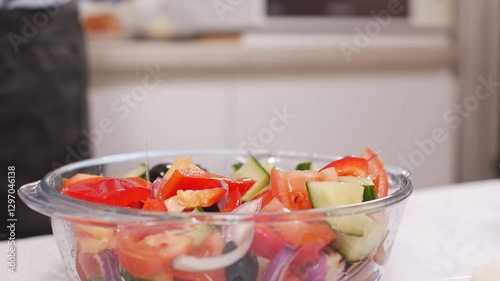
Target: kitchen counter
{"x": 261, "y": 52}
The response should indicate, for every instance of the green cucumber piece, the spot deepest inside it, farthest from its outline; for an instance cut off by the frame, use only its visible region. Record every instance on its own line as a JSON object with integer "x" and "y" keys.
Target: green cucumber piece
{"x": 254, "y": 170}
{"x": 267, "y": 166}
{"x": 200, "y": 232}
{"x": 356, "y": 249}
{"x": 137, "y": 172}
{"x": 305, "y": 166}
{"x": 352, "y": 225}
{"x": 369, "y": 193}
{"x": 332, "y": 194}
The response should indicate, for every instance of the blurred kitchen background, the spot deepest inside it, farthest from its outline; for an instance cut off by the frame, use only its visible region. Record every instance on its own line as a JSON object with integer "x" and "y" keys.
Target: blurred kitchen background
{"x": 416, "y": 80}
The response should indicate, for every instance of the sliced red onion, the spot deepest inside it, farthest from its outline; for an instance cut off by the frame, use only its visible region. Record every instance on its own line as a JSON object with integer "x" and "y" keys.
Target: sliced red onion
{"x": 196, "y": 264}
{"x": 336, "y": 265}
{"x": 250, "y": 207}
{"x": 318, "y": 271}
{"x": 279, "y": 266}
{"x": 155, "y": 187}
{"x": 222, "y": 202}
{"x": 237, "y": 232}
{"x": 108, "y": 261}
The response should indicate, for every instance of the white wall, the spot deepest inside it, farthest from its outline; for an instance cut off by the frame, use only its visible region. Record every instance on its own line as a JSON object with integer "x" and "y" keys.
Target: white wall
{"x": 335, "y": 113}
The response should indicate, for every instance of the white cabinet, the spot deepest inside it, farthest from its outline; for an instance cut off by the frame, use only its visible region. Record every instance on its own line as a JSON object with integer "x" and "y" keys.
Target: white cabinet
{"x": 395, "y": 112}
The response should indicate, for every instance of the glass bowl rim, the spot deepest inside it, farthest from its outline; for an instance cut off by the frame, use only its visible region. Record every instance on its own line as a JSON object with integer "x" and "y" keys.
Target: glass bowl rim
{"x": 59, "y": 205}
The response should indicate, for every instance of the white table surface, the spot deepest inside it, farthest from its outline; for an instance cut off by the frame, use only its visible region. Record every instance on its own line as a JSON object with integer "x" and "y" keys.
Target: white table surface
{"x": 446, "y": 232}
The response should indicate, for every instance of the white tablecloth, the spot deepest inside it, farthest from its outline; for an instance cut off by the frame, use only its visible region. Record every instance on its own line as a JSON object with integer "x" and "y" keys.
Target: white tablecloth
{"x": 446, "y": 232}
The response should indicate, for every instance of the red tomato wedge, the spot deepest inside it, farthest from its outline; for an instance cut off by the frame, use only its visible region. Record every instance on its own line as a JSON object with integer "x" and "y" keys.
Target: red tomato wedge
{"x": 349, "y": 166}
{"x": 211, "y": 247}
{"x": 143, "y": 257}
{"x": 194, "y": 179}
{"x": 377, "y": 173}
{"x": 87, "y": 267}
{"x": 200, "y": 198}
{"x": 81, "y": 178}
{"x": 154, "y": 205}
{"x": 290, "y": 188}
{"x": 267, "y": 243}
{"x": 316, "y": 236}
{"x": 311, "y": 237}
{"x": 266, "y": 194}
{"x": 115, "y": 192}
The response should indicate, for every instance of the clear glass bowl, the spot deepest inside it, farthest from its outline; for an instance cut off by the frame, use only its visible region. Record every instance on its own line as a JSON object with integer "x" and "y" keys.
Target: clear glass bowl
{"x": 99, "y": 242}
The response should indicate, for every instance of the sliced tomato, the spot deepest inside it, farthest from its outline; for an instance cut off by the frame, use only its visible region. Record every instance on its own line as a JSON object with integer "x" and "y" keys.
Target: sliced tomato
{"x": 211, "y": 247}
{"x": 145, "y": 256}
{"x": 115, "y": 192}
{"x": 311, "y": 237}
{"x": 81, "y": 178}
{"x": 267, "y": 243}
{"x": 200, "y": 198}
{"x": 266, "y": 194}
{"x": 301, "y": 234}
{"x": 349, "y": 166}
{"x": 87, "y": 266}
{"x": 320, "y": 236}
{"x": 154, "y": 205}
{"x": 197, "y": 179}
{"x": 290, "y": 188}
{"x": 377, "y": 173}
{"x": 275, "y": 206}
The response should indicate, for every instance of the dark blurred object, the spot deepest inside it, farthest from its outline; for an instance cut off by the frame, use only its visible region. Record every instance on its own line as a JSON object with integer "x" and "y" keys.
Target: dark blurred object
{"x": 331, "y": 7}
{"x": 498, "y": 169}
{"x": 43, "y": 108}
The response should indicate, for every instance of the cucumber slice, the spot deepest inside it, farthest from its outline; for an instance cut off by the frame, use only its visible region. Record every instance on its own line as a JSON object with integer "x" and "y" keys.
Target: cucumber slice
{"x": 331, "y": 194}
{"x": 360, "y": 235}
{"x": 137, "y": 172}
{"x": 267, "y": 166}
{"x": 352, "y": 225}
{"x": 200, "y": 232}
{"x": 369, "y": 193}
{"x": 306, "y": 166}
{"x": 356, "y": 249}
{"x": 254, "y": 170}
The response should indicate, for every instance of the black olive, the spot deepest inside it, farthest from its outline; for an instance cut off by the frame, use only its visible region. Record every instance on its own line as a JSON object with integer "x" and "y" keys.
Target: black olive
{"x": 212, "y": 209}
{"x": 159, "y": 171}
{"x": 245, "y": 269}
